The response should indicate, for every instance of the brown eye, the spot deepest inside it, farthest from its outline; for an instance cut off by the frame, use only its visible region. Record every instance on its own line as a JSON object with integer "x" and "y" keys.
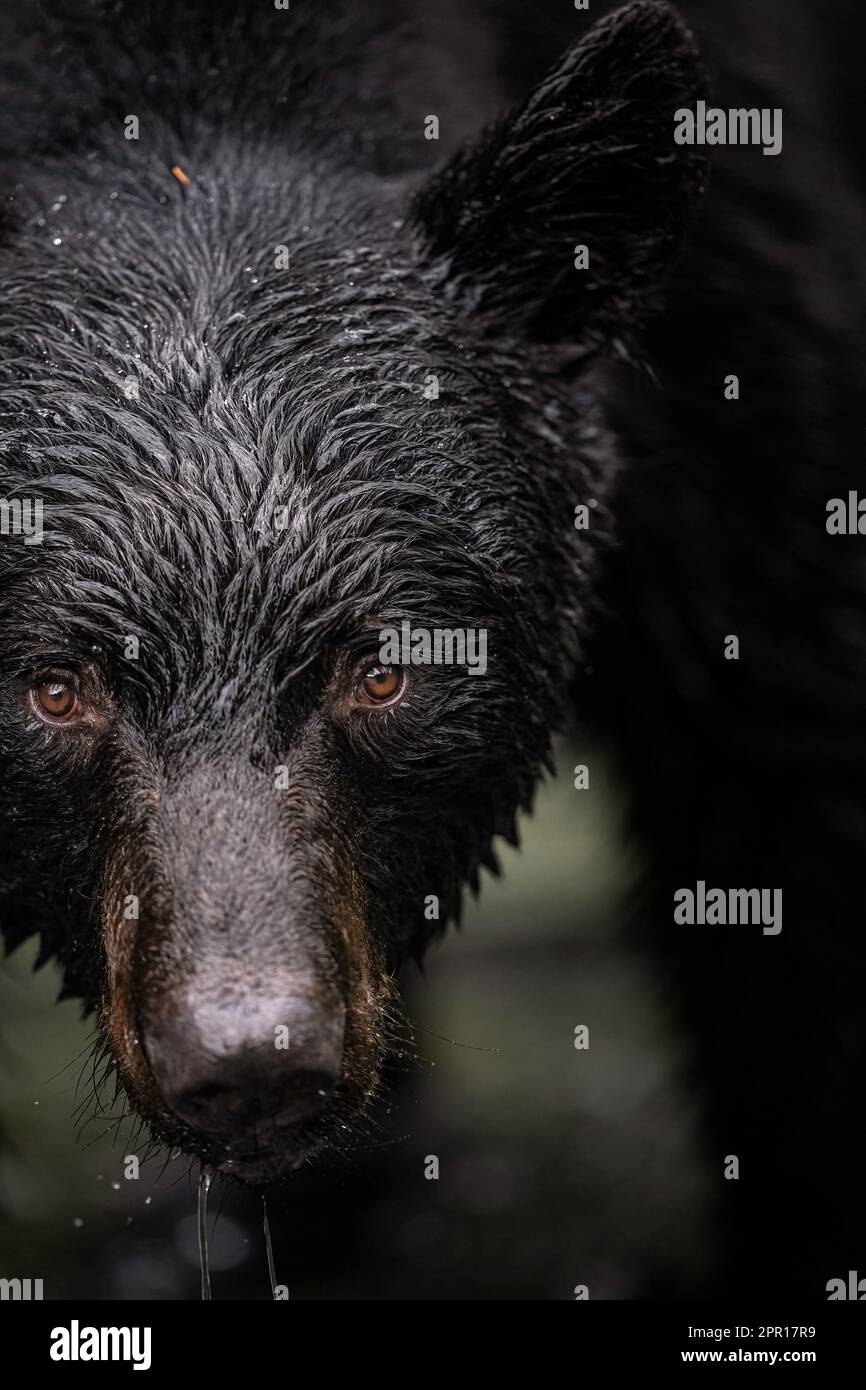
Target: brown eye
{"x": 56, "y": 698}
{"x": 382, "y": 683}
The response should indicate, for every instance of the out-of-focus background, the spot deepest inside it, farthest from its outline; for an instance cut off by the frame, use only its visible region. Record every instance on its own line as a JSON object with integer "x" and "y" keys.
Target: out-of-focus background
{"x": 557, "y": 1166}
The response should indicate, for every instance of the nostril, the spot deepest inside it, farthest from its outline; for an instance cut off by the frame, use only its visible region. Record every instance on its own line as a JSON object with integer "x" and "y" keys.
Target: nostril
{"x": 302, "y": 1097}
{"x": 220, "y": 1107}
{"x": 200, "y": 1106}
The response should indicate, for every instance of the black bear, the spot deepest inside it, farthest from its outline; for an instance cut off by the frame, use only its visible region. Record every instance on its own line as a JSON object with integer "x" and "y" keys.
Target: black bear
{"x": 292, "y": 356}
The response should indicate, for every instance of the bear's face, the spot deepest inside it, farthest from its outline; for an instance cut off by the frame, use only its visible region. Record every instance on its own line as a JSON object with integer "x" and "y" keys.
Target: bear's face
{"x": 229, "y": 815}
{"x": 239, "y": 818}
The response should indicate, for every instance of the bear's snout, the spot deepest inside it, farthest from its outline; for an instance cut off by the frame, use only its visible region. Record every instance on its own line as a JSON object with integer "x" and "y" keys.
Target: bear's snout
{"x": 248, "y": 1069}
{"x": 244, "y": 1002}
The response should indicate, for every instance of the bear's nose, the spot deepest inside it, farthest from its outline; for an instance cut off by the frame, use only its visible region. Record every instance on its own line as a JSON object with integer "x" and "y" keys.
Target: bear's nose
{"x": 246, "y": 1069}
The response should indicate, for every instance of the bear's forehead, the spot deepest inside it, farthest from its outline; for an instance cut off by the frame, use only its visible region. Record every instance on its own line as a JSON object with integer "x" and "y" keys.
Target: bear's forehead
{"x": 295, "y": 565}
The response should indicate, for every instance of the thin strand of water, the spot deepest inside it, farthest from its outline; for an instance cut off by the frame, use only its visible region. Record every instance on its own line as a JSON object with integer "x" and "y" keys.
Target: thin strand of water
{"x": 269, "y": 1249}
{"x": 204, "y": 1183}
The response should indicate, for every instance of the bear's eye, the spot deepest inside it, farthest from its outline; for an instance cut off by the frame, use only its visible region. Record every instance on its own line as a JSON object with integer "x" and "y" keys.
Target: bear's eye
{"x": 381, "y": 685}
{"x": 55, "y": 699}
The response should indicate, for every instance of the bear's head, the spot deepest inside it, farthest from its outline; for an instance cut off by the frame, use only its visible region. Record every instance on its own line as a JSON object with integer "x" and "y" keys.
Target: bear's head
{"x": 243, "y": 449}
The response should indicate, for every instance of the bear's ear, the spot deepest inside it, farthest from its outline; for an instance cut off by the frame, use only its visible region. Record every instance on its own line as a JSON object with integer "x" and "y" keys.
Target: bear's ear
{"x": 589, "y": 160}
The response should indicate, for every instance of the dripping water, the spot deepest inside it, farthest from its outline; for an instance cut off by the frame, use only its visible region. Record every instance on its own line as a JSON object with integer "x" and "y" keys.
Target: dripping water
{"x": 269, "y": 1249}
{"x": 204, "y": 1183}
